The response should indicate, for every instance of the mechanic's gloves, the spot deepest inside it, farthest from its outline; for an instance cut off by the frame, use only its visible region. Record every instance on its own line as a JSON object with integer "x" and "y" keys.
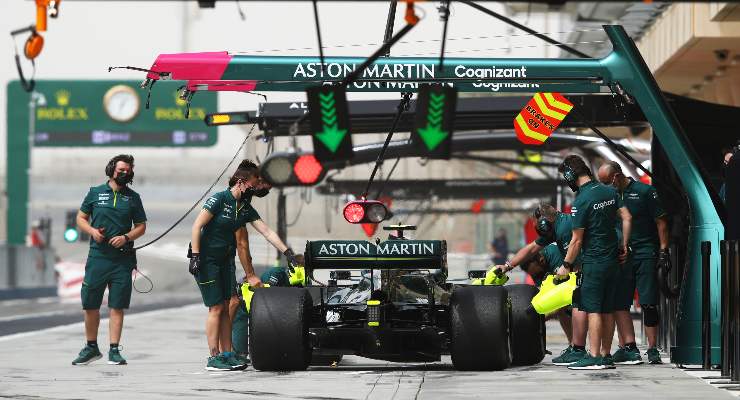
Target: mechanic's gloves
{"x": 290, "y": 257}
{"x": 297, "y": 277}
{"x": 664, "y": 260}
{"x": 495, "y": 276}
{"x": 194, "y": 267}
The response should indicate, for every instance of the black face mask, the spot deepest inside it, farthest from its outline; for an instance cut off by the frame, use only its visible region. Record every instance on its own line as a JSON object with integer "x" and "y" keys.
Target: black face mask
{"x": 261, "y": 192}
{"x": 246, "y": 194}
{"x": 124, "y": 178}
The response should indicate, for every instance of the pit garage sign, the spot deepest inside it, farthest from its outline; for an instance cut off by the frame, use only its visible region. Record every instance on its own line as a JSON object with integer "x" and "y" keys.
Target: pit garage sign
{"x": 540, "y": 117}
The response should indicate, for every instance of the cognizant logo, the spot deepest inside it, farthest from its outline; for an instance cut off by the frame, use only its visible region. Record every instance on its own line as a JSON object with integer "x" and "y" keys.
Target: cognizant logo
{"x": 604, "y": 204}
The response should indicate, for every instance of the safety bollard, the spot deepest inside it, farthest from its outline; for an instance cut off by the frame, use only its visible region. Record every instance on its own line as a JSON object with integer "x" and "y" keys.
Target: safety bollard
{"x": 726, "y": 317}
{"x": 735, "y": 260}
{"x": 706, "y": 327}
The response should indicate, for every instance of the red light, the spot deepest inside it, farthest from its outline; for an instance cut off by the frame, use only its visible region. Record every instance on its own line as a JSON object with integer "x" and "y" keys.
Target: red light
{"x": 307, "y": 169}
{"x": 354, "y": 213}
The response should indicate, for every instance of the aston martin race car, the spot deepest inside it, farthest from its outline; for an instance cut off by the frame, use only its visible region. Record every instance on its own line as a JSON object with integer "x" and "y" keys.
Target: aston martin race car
{"x": 390, "y": 300}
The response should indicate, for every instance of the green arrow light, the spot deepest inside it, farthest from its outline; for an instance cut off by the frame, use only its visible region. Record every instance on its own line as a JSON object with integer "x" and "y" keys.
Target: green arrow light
{"x": 432, "y": 134}
{"x": 331, "y": 136}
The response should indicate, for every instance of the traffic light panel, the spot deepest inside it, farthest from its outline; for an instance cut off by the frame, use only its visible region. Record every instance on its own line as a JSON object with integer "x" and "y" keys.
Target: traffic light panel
{"x": 292, "y": 169}
{"x": 434, "y": 123}
{"x": 365, "y": 211}
{"x": 330, "y": 131}
{"x": 71, "y": 234}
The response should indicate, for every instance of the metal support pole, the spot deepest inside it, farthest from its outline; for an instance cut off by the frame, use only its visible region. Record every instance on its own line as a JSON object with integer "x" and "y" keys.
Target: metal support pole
{"x": 282, "y": 223}
{"x": 735, "y": 266}
{"x": 706, "y": 327}
{"x": 725, "y": 318}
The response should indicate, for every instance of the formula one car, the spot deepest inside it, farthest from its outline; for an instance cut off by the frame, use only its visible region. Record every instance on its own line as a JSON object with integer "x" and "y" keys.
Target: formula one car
{"x": 390, "y": 300}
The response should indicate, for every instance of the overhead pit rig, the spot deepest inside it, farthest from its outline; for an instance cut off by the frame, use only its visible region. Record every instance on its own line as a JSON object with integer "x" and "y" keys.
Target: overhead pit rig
{"x": 622, "y": 74}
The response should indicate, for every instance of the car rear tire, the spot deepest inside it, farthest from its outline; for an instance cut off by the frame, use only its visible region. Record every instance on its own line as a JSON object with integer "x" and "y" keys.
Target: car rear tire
{"x": 278, "y": 329}
{"x": 527, "y": 327}
{"x": 479, "y": 328}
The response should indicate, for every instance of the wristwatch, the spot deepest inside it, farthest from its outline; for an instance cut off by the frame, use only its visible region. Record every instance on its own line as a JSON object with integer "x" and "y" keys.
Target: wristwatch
{"x": 507, "y": 267}
{"x": 125, "y": 236}
{"x": 567, "y": 265}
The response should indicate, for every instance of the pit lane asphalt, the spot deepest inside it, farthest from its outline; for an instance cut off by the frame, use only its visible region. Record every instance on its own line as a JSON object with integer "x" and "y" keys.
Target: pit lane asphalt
{"x": 166, "y": 350}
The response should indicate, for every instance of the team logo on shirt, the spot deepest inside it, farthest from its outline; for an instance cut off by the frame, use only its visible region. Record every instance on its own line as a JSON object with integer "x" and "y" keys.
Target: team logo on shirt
{"x": 573, "y": 211}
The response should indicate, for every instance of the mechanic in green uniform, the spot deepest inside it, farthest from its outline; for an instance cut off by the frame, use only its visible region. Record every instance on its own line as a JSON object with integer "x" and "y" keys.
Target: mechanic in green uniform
{"x": 555, "y": 227}
{"x": 594, "y": 211}
{"x": 219, "y": 229}
{"x": 113, "y": 215}
{"x": 648, "y": 243}
{"x": 546, "y": 262}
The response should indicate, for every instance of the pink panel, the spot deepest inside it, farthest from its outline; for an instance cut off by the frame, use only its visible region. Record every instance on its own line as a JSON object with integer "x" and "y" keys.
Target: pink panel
{"x": 187, "y": 66}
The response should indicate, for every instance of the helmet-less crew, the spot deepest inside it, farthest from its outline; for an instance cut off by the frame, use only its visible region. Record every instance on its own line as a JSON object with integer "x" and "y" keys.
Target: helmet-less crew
{"x": 113, "y": 215}
{"x": 555, "y": 227}
{"x": 648, "y": 242}
{"x": 218, "y": 232}
{"x": 594, "y": 215}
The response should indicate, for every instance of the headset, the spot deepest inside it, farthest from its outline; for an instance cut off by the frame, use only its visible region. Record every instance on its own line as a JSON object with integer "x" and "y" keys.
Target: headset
{"x": 571, "y": 177}
{"x": 543, "y": 226}
{"x": 110, "y": 168}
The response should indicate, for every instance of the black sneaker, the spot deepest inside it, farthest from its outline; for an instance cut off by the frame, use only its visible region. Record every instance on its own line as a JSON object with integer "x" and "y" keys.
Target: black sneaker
{"x": 87, "y": 355}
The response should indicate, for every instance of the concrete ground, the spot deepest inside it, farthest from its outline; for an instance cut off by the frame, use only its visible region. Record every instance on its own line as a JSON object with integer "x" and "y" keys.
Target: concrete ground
{"x": 166, "y": 350}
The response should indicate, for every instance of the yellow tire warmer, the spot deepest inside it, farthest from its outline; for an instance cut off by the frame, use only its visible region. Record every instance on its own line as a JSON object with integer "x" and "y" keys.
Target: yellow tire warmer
{"x": 554, "y": 295}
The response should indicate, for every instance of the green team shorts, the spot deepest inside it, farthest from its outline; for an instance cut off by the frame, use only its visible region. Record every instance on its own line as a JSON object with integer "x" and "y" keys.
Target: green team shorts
{"x": 216, "y": 280}
{"x": 646, "y": 280}
{"x": 625, "y": 292}
{"x": 598, "y": 287}
{"x": 113, "y": 273}
{"x": 639, "y": 274}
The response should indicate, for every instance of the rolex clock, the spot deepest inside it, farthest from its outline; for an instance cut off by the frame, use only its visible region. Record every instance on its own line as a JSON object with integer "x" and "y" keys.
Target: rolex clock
{"x": 121, "y": 103}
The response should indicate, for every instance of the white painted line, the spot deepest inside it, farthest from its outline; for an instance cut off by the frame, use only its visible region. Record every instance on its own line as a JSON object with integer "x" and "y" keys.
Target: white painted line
{"x": 38, "y": 300}
{"x": 78, "y": 325}
{"x": 36, "y": 315}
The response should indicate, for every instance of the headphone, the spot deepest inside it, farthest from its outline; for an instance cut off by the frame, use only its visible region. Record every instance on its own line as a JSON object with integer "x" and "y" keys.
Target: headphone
{"x": 110, "y": 168}
{"x": 569, "y": 174}
{"x": 543, "y": 226}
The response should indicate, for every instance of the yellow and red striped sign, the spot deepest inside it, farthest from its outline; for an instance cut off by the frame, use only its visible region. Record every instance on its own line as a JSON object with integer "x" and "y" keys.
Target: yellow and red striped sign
{"x": 540, "y": 117}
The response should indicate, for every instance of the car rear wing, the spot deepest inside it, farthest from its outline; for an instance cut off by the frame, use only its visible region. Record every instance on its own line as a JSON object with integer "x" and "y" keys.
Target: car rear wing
{"x": 361, "y": 254}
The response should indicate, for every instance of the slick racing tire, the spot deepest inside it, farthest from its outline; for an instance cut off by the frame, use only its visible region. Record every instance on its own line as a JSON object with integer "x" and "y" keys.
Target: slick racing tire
{"x": 278, "y": 329}
{"x": 479, "y": 328}
{"x": 325, "y": 360}
{"x": 527, "y": 327}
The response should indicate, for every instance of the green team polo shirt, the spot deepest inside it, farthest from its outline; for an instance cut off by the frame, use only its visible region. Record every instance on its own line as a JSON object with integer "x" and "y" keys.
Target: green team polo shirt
{"x": 563, "y": 233}
{"x": 644, "y": 205}
{"x": 595, "y": 210}
{"x": 553, "y": 260}
{"x": 218, "y": 233}
{"x": 114, "y": 211}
